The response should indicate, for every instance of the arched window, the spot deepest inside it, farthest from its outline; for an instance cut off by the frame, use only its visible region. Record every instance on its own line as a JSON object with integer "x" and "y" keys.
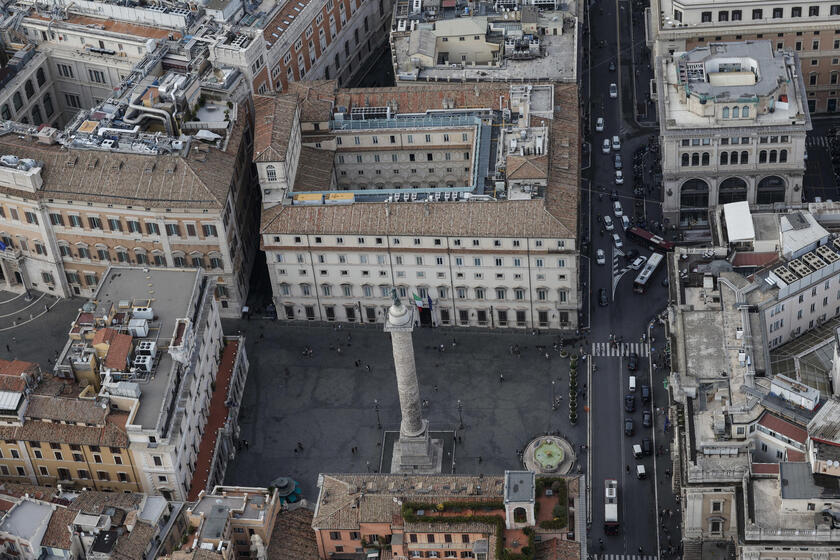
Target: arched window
{"x": 48, "y": 106}
{"x": 773, "y": 156}
{"x": 29, "y": 89}
{"x": 735, "y": 112}
{"x": 725, "y": 112}
{"x": 762, "y": 156}
{"x": 695, "y": 159}
{"x": 39, "y": 76}
{"x": 684, "y": 156}
{"x": 733, "y": 158}
{"x": 782, "y": 156}
{"x": 770, "y": 190}
{"x": 745, "y": 157}
{"x": 17, "y": 101}
{"x": 745, "y": 111}
{"x": 705, "y": 158}
{"x": 36, "y": 115}
{"x": 271, "y": 173}
{"x": 724, "y": 158}
{"x": 5, "y": 112}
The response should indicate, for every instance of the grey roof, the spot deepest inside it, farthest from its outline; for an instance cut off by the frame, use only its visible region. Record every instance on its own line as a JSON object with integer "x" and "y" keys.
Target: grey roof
{"x": 825, "y": 425}
{"x": 25, "y": 518}
{"x": 798, "y": 483}
{"x": 757, "y": 57}
{"x": 519, "y": 486}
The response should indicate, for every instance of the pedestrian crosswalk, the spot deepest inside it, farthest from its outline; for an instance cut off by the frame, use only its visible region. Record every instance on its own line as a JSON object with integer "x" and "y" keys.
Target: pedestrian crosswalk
{"x": 623, "y": 349}
{"x": 623, "y": 557}
{"x": 816, "y": 140}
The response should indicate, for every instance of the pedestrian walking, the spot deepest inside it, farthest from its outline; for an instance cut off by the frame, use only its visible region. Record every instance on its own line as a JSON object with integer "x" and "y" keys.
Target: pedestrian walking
{"x": 454, "y": 343}
{"x": 8, "y": 349}
{"x": 246, "y": 444}
{"x": 436, "y": 388}
{"x": 299, "y": 445}
{"x": 367, "y": 367}
{"x": 479, "y": 459}
{"x": 501, "y": 378}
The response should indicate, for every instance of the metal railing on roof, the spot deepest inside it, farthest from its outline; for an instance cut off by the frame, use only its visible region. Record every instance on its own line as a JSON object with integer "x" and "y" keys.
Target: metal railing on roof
{"x": 405, "y": 122}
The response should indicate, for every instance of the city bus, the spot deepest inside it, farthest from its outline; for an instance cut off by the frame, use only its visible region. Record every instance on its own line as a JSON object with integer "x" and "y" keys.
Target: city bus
{"x": 654, "y": 241}
{"x": 643, "y": 279}
{"x": 611, "y": 506}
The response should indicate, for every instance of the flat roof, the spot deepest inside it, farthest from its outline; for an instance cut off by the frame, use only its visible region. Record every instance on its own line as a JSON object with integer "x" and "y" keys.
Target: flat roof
{"x": 739, "y": 224}
{"x": 519, "y": 486}
{"x": 25, "y": 518}
{"x": 799, "y": 483}
{"x": 170, "y": 295}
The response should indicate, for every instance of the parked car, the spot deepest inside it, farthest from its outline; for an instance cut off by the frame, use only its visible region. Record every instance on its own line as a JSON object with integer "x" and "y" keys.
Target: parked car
{"x": 629, "y": 403}
{"x": 638, "y": 262}
{"x": 617, "y": 161}
{"x": 617, "y": 209}
{"x": 602, "y": 297}
{"x": 633, "y": 361}
{"x": 614, "y": 195}
{"x": 600, "y": 257}
{"x": 605, "y": 148}
{"x": 617, "y": 241}
{"x": 647, "y": 419}
{"x": 613, "y": 91}
{"x": 612, "y": 66}
{"x": 599, "y": 124}
{"x": 628, "y": 427}
{"x": 647, "y": 446}
{"x": 616, "y": 143}
{"x": 625, "y": 222}
{"x": 619, "y": 177}
{"x": 645, "y": 394}
{"x": 608, "y": 223}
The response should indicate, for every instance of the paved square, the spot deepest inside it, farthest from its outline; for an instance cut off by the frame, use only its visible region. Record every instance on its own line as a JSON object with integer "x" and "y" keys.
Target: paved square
{"x": 326, "y": 403}
{"x": 35, "y": 330}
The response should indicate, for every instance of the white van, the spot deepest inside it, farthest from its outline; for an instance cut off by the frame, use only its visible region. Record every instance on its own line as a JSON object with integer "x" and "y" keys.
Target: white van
{"x": 637, "y": 451}
{"x": 632, "y": 383}
{"x": 640, "y": 472}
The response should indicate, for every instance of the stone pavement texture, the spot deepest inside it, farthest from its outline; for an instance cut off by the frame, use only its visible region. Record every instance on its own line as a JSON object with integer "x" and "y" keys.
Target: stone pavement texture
{"x": 326, "y": 403}
{"x": 40, "y": 338}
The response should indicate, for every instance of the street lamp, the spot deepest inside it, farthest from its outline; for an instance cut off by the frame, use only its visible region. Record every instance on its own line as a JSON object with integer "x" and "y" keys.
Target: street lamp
{"x": 460, "y": 415}
{"x": 553, "y": 395}
{"x": 376, "y": 408}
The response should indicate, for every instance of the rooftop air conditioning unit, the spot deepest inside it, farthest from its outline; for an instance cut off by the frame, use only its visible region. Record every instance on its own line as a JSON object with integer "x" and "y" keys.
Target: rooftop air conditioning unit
{"x": 143, "y": 363}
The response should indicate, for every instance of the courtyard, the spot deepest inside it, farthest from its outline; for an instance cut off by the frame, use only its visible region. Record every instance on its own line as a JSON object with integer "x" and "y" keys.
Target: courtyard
{"x": 328, "y": 412}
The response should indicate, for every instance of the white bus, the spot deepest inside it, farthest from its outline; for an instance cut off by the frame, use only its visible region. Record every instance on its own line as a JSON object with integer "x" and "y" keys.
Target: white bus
{"x": 643, "y": 279}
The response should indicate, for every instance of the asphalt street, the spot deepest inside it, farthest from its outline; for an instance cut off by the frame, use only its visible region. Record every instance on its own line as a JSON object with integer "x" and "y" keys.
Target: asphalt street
{"x": 617, "y": 39}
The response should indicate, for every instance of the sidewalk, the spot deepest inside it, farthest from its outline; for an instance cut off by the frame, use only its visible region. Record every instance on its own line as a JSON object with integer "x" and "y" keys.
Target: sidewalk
{"x": 642, "y": 71}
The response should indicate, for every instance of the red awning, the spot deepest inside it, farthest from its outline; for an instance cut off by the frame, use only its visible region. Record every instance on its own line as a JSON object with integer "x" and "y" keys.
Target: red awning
{"x": 448, "y": 3}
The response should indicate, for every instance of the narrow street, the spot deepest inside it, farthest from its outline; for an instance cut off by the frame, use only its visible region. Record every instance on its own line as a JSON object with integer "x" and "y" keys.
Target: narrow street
{"x": 616, "y": 53}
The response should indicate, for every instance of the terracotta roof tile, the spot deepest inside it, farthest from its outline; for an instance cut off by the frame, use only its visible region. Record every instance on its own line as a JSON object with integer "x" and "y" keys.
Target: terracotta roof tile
{"x": 95, "y": 502}
{"x": 419, "y": 99}
{"x": 274, "y": 118}
{"x": 133, "y": 545}
{"x": 58, "y": 530}
{"x": 794, "y": 456}
{"x": 199, "y": 179}
{"x": 315, "y": 170}
{"x": 17, "y": 367}
{"x": 526, "y": 167}
{"x": 86, "y": 411}
{"x": 514, "y": 218}
{"x": 776, "y": 424}
{"x": 765, "y": 468}
{"x": 105, "y": 335}
{"x": 118, "y": 352}
{"x": 293, "y": 537}
{"x": 316, "y": 99}
{"x": 557, "y": 549}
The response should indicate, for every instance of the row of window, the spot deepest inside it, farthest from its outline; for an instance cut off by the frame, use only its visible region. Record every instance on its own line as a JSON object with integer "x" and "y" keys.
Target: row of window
{"x": 64, "y": 474}
{"x": 465, "y": 317}
{"x": 733, "y": 158}
{"x": 77, "y": 457}
{"x": 28, "y": 90}
{"x": 742, "y": 140}
{"x": 173, "y": 229}
{"x": 392, "y": 139}
{"x": 395, "y": 158}
{"x": 412, "y": 537}
{"x": 736, "y": 112}
{"x": 179, "y": 259}
{"x": 432, "y": 171}
{"x": 23, "y": 244}
{"x": 539, "y": 262}
{"x": 438, "y": 242}
{"x": 419, "y": 274}
{"x": 461, "y": 292}
{"x": 758, "y": 13}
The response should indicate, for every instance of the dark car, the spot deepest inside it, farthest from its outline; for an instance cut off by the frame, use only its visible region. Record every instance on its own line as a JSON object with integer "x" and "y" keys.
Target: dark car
{"x": 665, "y": 282}
{"x": 645, "y": 394}
{"x": 647, "y": 419}
{"x": 602, "y": 297}
{"x": 631, "y": 255}
{"x": 612, "y": 66}
{"x": 618, "y": 164}
{"x": 614, "y": 195}
{"x": 628, "y": 426}
{"x": 647, "y": 446}
{"x": 629, "y": 403}
{"x": 633, "y": 361}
